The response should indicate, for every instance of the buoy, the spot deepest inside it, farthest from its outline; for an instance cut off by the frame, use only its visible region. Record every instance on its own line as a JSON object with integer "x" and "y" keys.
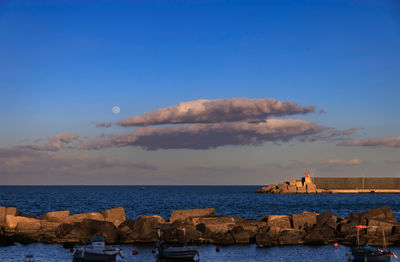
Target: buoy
{"x": 153, "y": 251}
{"x": 134, "y": 252}
{"x": 335, "y": 245}
{"x": 217, "y": 249}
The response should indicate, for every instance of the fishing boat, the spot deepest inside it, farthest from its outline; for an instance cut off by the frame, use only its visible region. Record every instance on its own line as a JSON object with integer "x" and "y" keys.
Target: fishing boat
{"x": 166, "y": 252}
{"x": 368, "y": 253}
{"x": 96, "y": 250}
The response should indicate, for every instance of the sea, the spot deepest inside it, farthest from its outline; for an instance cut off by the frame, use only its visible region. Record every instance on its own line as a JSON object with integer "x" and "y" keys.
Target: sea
{"x": 162, "y": 200}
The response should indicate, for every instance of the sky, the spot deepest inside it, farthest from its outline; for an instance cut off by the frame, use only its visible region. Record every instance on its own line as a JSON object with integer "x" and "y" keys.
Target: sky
{"x": 209, "y": 92}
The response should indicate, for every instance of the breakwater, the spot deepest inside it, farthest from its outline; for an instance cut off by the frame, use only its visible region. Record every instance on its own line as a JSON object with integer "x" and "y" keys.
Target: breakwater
{"x": 200, "y": 226}
{"x": 335, "y": 185}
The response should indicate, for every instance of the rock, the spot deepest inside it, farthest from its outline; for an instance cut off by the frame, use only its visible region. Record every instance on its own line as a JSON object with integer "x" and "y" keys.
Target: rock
{"x": 184, "y": 214}
{"x": 301, "y": 190}
{"x": 320, "y": 234}
{"x": 182, "y": 232}
{"x": 315, "y": 238}
{"x": 56, "y": 216}
{"x": 250, "y": 225}
{"x": 28, "y": 227}
{"x": 80, "y": 217}
{"x": 243, "y": 236}
{"x": 48, "y": 226}
{"x": 281, "y": 188}
{"x": 383, "y": 213}
{"x": 268, "y": 189}
{"x": 281, "y": 221}
{"x": 382, "y": 225}
{"x": 84, "y": 230}
{"x": 4, "y": 211}
{"x": 223, "y": 238}
{"x": 290, "y": 189}
{"x": 304, "y": 220}
{"x": 115, "y": 215}
{"x": 268, "y": 238}
{"x": 291, "y": 237}
{"x": 215, "y": 224}
{"x": 140, "y": 230}
{"x": 12, "y": 221}
{"x": 328, "y": 219}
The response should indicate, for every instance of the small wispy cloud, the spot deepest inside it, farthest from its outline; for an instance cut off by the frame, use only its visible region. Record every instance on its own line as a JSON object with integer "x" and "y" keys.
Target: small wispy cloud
{"x": 106, "y": 125}
{"x": 53, "y": 143}
{"x": 373, "y": 142}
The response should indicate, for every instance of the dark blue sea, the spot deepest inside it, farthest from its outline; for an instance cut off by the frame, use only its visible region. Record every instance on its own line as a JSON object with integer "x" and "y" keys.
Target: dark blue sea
{"x": 162, "y": 200}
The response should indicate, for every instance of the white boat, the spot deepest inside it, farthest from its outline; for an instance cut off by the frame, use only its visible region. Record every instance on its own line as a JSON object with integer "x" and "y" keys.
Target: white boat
{"x": 96, "y": 250}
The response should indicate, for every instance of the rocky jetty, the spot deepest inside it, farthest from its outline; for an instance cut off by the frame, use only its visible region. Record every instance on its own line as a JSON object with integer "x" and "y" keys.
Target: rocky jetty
{"x": 200, "y": 226}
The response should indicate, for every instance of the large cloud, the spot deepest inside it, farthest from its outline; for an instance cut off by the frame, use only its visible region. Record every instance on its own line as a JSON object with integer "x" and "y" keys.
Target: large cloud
{"x": 216, "y": 111}
{"x": 54, "y": 143}
{"x": 374, "y": 142}
{"x": 205, "y": 136}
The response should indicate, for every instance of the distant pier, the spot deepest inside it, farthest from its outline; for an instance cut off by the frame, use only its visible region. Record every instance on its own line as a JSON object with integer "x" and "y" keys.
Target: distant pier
{"x": 335, "y": 185}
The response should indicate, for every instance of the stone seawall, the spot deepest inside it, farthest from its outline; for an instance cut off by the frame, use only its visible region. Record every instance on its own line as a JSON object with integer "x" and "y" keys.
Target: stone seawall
{"x": 357, "y": 182}
{"x": 335, "y": 185}
{"x": 200, "y": 226}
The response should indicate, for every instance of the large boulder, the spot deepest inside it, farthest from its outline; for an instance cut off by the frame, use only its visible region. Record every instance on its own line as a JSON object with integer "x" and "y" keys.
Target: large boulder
{"x": 80, "y": 217}
{"x": 56, "y": 216}
{"x": 181, "y": 232}
{"x": 250, "y": 225}
{"x": 304, "y": 220}
{"x": 291, "y": 237}
{"x": 268, "y": 238}
{"x": 383, "y": 213}
{"x": 281, "y": 221}
{"x": 115, "y": 215}
{"x": 28, "y": 227}
{"x": 187, "y": 213}
{"x": 140, "y": 230}
{"x": 215, "y": 224}
{"x": 243, "y": 236}
{"x": 13, "y": 221}
{"x": 4, "y": 211}
{"x": 328, "y": 219}
{"x": 84, "y": 230}
{"x": 268, "y": 189}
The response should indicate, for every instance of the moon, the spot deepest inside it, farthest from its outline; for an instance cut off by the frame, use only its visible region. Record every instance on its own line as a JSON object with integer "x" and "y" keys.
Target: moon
{"x": 116, "y": 109}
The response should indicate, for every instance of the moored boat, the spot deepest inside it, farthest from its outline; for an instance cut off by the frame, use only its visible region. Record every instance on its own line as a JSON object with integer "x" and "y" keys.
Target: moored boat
{"x": 96, "y": 250}
{"x": 189, "y": 253}
{"x": 368, "y": 253}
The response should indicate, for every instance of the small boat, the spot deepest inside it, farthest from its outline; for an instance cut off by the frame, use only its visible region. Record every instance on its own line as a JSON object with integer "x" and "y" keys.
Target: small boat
{"x": 371, "y": 254}
{"x": 368, "y": 253}
{"x": 142, "y": 188}
{"x": 188, "y": 253}
{"x": 96, "y": 250}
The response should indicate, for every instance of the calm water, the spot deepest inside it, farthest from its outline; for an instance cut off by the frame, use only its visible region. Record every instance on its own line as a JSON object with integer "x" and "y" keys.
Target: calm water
{"x": 162, "y": 200}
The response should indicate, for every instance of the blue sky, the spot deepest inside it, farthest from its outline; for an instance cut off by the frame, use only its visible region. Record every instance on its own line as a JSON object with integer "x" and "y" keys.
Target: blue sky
{"x": 64, "y": 64}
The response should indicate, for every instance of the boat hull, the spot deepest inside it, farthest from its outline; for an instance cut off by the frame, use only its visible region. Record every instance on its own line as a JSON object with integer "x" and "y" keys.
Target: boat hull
{"x": 87, "y": 256}
{"x": 182, "y": 253}
{"x": 362, "y": 255}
